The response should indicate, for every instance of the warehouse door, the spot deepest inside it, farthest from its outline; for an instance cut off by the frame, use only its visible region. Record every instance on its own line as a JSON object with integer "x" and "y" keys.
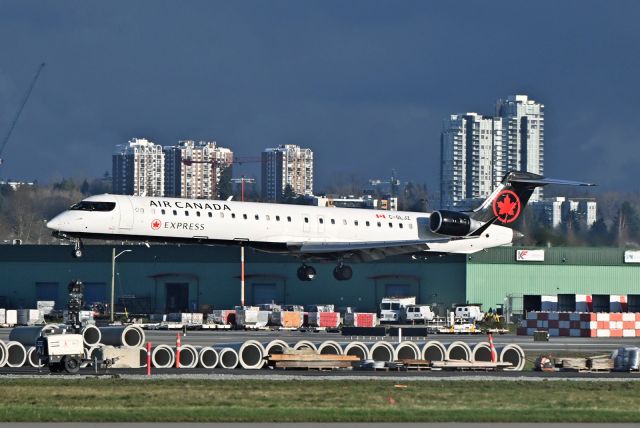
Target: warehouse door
{"x": 397, "y": 290}
{"x": 47, "y": 291}
{"x": 95, "y": 292}
{"x": 177, "y": 297}
{"x": 264, "y": 293}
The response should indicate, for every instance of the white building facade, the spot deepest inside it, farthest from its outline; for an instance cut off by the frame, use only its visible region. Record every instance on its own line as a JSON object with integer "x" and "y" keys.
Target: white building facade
{"x": 138, "y": 168}
{"x": 194, "y": 169}
{"x": 554, "y": 211}
{"x": 477, "y": 151}
{"x": 286, "y": 165}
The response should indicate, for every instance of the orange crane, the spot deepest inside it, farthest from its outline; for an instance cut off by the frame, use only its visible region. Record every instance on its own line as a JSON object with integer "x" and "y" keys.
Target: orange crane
{"x": 27, "y": 94}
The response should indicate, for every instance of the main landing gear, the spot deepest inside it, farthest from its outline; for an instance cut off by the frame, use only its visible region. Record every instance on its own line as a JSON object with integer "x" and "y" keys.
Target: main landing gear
{"x": 306, "y": 273}
{"x": 341, "y": 272}
{"x": 77, "y": 249}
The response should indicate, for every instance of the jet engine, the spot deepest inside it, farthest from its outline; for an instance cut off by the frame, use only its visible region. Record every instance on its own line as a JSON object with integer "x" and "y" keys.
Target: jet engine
{"x": 452, "y": 223}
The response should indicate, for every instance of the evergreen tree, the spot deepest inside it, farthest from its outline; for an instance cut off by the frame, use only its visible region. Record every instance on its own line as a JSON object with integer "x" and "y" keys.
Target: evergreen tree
{"x": 225, "y": 187}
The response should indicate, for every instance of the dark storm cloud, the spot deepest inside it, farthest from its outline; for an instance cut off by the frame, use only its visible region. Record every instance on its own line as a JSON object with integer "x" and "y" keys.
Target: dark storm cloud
{"x": 365, "y": 84}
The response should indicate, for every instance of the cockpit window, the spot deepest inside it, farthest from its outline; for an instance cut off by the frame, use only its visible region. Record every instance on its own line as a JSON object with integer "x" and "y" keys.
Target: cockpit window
{"x": 93, "y": 206}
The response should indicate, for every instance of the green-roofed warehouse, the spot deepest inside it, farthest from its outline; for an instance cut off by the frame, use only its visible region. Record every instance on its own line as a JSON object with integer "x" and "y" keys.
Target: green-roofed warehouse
{"x": 163, "y": 279}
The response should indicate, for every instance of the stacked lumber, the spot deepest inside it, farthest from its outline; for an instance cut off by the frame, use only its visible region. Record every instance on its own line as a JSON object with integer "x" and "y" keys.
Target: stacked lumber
{"x": 573, "y": 364}
{"x": 310, "y": 359}
{"x": 600, "y": 364}
{"x": 469, "y": 365}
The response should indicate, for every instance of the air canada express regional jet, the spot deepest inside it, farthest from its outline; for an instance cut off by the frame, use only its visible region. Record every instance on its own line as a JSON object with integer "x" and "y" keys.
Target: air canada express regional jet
{"x": 308, "y": 232}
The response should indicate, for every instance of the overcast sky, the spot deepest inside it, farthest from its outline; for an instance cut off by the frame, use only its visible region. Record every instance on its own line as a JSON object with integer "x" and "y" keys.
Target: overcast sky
{"x": 365, "y": 84}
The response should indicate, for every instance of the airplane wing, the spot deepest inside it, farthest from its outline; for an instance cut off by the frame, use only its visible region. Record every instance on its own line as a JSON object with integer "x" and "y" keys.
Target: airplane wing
{"x": 362, "y": 251}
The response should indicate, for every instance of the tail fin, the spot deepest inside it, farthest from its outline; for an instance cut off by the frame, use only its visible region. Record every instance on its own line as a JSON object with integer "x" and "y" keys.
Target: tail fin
{"x": 508, "y": 200}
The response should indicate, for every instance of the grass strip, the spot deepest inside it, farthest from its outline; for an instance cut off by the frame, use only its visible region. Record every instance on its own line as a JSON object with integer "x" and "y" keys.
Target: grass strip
{"x": 115, "y": 400}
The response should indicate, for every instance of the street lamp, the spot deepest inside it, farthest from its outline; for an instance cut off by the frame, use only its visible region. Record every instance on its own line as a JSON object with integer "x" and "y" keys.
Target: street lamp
{"x": 242, "y": 180}
{"x": 114, "y": 256}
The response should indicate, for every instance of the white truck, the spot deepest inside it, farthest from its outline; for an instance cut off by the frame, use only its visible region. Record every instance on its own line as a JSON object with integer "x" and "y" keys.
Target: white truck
{"x": 392, "y": 308}
{"x": 470, "y": 313}
{"x": 418, "y": 314}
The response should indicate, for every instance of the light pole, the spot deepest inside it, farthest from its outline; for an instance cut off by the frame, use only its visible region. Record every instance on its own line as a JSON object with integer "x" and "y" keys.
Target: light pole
{"x": 114, "y": 256}
{"x": 242, "y": 180}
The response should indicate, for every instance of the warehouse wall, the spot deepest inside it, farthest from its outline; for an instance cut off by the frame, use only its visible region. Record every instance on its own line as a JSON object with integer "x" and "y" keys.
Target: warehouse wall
{"x": 158, "y": 278}
{"x": 494, "y": 275}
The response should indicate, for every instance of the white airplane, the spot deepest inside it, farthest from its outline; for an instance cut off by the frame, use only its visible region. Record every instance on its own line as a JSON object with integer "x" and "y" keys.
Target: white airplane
{"x": 307, "y": 232}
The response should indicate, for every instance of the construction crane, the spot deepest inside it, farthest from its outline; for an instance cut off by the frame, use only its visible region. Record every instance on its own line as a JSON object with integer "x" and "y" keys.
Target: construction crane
{"x": 215, "y": 162}
{"x": 27, "y": 94}
{"x": 394, "y": 183}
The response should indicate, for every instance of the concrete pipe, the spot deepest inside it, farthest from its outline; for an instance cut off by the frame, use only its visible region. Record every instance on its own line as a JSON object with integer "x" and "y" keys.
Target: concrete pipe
{"x": 434, "y": 350}
{"x": 407, "y": 350}
{"x": 227, "y": 358}
{"x": 329, "y": 347}
{"x": 32, "y": 357}
{"x": 251, "y": 355}
{"x": 3, "y": 354}
{"x": 381, "y": 351}
{"x": 188, "y": 356}
{"x": 89, "y": 353}
{"x": 162, "y": 357}
{"x": 305, "y": 344}
{"x": 17, "y": 354}
{"x": 481, "y": 352}
{"x": 275, "y": 347}
{"x": 356, "y": 348}
{"x": 91, "y": 336}
{"x": 27, "y": 336}
{"x": 458, "y": 351}
{"x": 511, "y": 354}
{"x": 142, "y": 352}
{"x": 127, "y": 336}
{"x": 207, "y": 357}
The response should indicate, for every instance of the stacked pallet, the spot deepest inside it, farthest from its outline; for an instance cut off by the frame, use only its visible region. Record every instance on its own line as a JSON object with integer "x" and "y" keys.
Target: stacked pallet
{"x": 310, "y": 359}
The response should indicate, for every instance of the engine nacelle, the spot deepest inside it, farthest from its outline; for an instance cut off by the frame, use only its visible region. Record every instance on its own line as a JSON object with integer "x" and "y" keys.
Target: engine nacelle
{"x": 452, "y": 223}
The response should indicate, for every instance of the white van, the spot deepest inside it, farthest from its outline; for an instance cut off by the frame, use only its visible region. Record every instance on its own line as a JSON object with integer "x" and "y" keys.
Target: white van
{"x": 418, "y": 314}
{"x": 472, "y": 313}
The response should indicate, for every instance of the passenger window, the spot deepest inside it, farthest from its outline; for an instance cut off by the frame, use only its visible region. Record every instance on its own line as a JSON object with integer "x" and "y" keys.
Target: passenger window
{"x": 186, "y": 213}
{"x": 233, "y": 215}
{"x": 162, "y": 211}
{"x": 267, "y": 217}
{"x": 355, "y": 222}
{"x": 390, "y": 224}
{"x": 277, "y": 218}
{"x": 367, "y": 223}
{"x": 306, "y": 219}
{"x": 410, "y": 225}
{"x": 210, "y": 214}
{"x": 175, "y": 212}
{"x": 379, "y": 224}
{"x": 257, "y": 217}
{"x": 289, "y": 219}
{"x": 344, "y": 222}
{"x": 400, "y": 226}
{"x": 333, "y": 221}
{"x": 197, "y": 213}
{"x": 244, "y": 216}
{"x": 321, "y": 220}
{"x": 221, "y": 215}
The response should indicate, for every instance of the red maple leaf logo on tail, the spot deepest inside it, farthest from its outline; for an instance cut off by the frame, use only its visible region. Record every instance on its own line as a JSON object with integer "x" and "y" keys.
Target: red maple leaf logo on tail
{"x": 506, "y": 206}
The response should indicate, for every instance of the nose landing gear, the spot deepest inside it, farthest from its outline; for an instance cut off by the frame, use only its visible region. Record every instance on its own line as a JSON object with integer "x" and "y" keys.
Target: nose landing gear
{"x": 77, "y": 249}
{"x": 306, "y": 273}
{"x": 342, "y": 272}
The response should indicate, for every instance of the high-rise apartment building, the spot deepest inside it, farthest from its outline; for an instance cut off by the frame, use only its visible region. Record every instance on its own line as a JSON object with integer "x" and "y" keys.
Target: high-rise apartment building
{"x": 477, "y": 151}
{"x": 471, "y": 150}
{"x": 138, "y": 168}
{"x": 524, "y": 128}
{"x": 193, "y": 169}
{"x": 286, "y": 165}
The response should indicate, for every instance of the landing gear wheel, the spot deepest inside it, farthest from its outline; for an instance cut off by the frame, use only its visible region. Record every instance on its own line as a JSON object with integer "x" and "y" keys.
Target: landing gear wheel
{"x": 71, "y": 365}
{"x": 77, "y": 249}
{"x": 342, "y": 272}
{"x": 306, "y": 273}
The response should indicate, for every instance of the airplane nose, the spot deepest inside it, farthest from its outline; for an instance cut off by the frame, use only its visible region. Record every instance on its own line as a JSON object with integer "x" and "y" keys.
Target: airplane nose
{"x": 54, "y": 223}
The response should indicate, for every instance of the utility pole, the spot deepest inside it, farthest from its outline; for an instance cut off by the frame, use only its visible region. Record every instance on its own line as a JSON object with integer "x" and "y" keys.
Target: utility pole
{"x": 242, "y": 180}
{"x": 114, "y": 256}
